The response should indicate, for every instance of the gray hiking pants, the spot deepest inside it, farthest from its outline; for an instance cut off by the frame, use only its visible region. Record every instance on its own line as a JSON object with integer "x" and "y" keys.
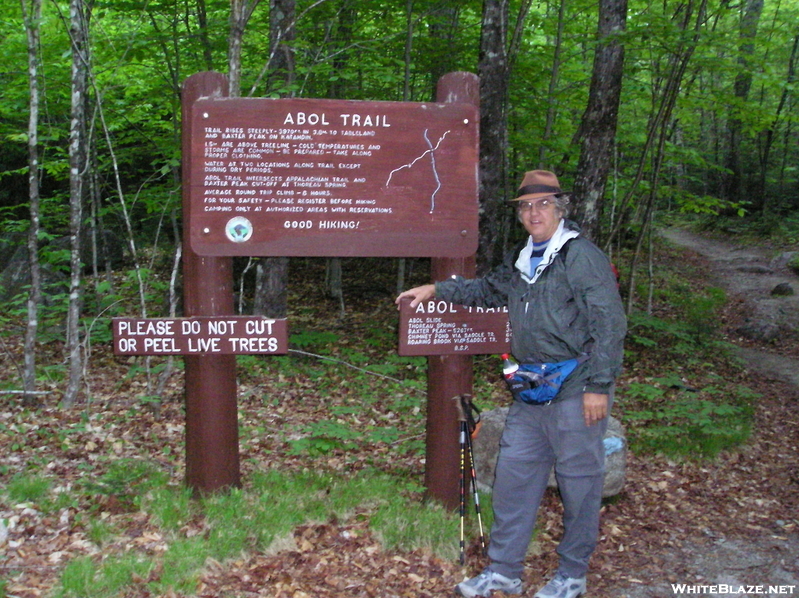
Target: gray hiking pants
{"x": 536, "y": 437}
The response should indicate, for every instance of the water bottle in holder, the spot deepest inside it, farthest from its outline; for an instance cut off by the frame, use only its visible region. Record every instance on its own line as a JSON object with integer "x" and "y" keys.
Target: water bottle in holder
{"x": 509, "y": 366}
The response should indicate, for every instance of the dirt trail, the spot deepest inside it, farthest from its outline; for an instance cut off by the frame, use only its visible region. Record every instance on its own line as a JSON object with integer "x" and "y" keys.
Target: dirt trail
{"x": 750, "y": 274}
{"x": 764, "y": 562}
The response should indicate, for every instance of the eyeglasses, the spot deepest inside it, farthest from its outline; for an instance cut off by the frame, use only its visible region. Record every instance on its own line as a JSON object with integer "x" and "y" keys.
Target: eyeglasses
{"x": 541, "y": 204}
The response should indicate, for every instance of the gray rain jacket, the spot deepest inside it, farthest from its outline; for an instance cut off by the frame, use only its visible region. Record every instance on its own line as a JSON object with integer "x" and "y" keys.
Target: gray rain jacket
{"x": 570, "y": 305}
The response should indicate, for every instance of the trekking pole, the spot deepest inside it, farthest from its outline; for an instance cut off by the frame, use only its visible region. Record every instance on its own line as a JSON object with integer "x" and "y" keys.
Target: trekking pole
{"x": 472, "y": 426}
{"x": 462, "y": 489}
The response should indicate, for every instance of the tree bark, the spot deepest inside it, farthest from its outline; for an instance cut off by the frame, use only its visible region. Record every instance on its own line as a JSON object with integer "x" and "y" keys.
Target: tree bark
{"x": 205, "y": 41}
{"x": 443, "y": 24}
{"x": 493, "y": 72}
{"x": 733, "y": 187}
{"x": 271, "y": 274}
{"x": 552, "y": 105}
{"x": 240, "y": 13}
{"x": 660, "y": 125}
{"x": 600, "y": 118}
{"x": 768, "y": 141}
{"x": 32, "y": 15}
{"x": 665, "y": 91}
{"x": 79, "y": 13}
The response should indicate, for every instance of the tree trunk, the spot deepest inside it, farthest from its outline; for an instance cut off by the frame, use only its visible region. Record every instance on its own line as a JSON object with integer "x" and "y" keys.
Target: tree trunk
{"x": 205, "y": 41}
{"x": 240, "y": 13}
{"x": 790, "y": 82}
{"x": 271, "y": 288}
{"x": 32, "y": 15}
{"x": 406, "y": 96}
{"x": 443, "y": 24}
{"x": 601, "y": 116}
{"x": 493, "y": 72}
{"x": 660, "y": 128}
{"x": 552, "y": 105}
{"x": 342, "y": 41}
{"x": 668, "y": 88}
{"x": 733, "y": 181}
{"x": 79, "y": 13}
{"x": 271, "y": 274}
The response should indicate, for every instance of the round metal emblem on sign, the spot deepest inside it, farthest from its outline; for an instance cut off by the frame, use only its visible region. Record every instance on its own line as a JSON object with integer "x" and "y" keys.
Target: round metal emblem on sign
{"x": 238, "y": 229}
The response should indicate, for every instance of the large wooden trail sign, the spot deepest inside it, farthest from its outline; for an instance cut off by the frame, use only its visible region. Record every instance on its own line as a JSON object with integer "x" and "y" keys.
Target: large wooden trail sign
{"x": 312, "y": 177}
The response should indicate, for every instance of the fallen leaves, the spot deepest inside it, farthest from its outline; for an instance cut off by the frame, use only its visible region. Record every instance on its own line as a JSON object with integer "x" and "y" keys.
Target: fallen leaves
{"x": 669, "y": 512}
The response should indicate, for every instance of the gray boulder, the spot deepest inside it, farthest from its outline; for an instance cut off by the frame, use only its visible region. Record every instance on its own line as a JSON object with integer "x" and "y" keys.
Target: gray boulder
{"x": 761, "y": 330}
{"x": 782, "y": 260}
{"x": 15, "y": 266}
{"x": 783, "y": 289}
{"x": 15, "y": 277}
{"x": 486, "y": 447}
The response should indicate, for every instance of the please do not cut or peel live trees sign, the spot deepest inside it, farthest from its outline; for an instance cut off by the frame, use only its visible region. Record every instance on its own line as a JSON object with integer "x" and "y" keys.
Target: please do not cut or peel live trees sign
{"x": 217, "y": 335}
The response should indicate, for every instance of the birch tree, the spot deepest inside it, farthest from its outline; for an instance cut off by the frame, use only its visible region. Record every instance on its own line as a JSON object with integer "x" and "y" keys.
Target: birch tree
{"x": 79, "y": 14}
{"x": 32, "y": 14}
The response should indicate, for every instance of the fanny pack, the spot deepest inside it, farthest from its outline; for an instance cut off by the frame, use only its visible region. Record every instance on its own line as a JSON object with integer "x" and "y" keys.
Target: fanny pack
{"x": 539, "y": 383}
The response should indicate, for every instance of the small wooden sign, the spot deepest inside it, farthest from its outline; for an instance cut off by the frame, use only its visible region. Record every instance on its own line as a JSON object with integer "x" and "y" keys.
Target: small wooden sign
{"x": 441, "y": 328}
{"x": 217, "y": 335}
{"x": 318, "y": 177}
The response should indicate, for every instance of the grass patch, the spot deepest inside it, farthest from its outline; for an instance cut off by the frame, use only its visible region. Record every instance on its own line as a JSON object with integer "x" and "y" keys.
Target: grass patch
{"x": 257, "y": 518}
{"x": 25, "y": 488}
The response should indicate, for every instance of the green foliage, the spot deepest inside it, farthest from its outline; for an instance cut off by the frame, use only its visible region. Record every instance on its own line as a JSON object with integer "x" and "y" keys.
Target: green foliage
{"x": 78, "y": 579}
{"x": 793, "y": 263}
{"x": 324, "y": 436}
{"x": 23, "y": 488}
{"x": 706, "y": 204}
{"x": 181, "y": 566}
{"x": 99, "y": 531}
{"x": 313, "y": 338}
{"x": 683, "y": 422}
{"x": 127, "y": 480}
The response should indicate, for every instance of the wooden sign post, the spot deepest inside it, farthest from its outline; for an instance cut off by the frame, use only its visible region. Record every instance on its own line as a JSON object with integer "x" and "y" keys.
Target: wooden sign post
{"x": 311, "y": 177}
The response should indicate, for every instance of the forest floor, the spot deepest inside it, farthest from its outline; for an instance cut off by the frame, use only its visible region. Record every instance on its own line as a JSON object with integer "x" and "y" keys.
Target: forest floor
{"x": 708, "y": 526}
{"x": 744, "y": 558}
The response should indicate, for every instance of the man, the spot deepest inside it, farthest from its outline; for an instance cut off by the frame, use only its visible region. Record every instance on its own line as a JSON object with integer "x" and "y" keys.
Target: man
{"x": 563, "y": 303}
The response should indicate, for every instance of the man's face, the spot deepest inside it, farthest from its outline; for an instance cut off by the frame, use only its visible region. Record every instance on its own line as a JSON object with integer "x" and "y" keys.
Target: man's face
{"x": 539, "y": 217}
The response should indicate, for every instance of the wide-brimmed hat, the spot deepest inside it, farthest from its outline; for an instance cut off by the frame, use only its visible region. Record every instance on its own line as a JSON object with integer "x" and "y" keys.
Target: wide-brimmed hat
{"x": 537, "y": 184}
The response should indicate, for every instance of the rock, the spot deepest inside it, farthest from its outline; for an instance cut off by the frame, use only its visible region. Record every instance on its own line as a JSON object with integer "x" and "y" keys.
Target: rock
{"x": 16, "y": 277}
{"x": 15, "y": 268}
{"x": 759, "y": 330}
{"x": 755, "y": 269}
{"x": 783, "y": 289}
{"x": 486, "y": 447}
{"x": 781, "y": 261}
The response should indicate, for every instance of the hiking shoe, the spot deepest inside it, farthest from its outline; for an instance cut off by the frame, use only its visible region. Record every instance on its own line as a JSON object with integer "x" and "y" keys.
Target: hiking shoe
{"x": 487, "y": 582}
{"x": 561, "y": 586}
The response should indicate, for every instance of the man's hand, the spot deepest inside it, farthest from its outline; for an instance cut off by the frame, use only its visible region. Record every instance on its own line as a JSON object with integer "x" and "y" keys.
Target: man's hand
{"x": 595, "y": 407}
{"x": 417, "y": 294}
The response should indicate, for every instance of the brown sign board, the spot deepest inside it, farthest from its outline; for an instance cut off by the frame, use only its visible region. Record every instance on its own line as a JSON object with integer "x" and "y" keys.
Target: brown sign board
{"x": 212, "y": 335}
{"x": 319, "y": 177}
{"x": 438, "y": 327}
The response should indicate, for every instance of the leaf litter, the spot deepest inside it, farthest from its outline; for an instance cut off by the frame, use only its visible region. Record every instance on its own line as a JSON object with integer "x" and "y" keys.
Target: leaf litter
{"x": 672, "y": 523}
